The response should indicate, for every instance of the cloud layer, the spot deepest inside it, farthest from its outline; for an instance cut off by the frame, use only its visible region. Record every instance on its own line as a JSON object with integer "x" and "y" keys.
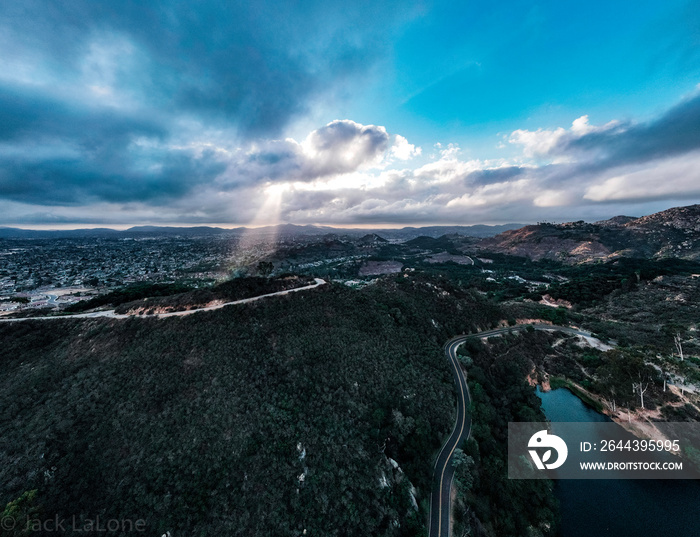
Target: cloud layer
{"x": 585, "y": 171}
{"x": 126, "y": 113}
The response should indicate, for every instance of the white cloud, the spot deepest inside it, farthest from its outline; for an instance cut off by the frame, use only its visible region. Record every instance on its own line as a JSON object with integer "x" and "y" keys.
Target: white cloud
{"x": 402, "y": 150}
{"x": 537, "y": 143}
{"x": 340, "y": 155}
{"x": 343, "y": 146}
{"x": 547, "y": 142}
{"x": 346, "y": 173}
{"x": 495, "y": 194}
{"x": 446, "y": 170}
{"x": 581, "y": 126}
{"x": 554, "y": 198}
{"x": 451, "y": 152}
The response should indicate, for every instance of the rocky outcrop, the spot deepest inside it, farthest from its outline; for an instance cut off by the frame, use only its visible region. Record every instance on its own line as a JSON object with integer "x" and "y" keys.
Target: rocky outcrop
{"x": 671, "y": 233}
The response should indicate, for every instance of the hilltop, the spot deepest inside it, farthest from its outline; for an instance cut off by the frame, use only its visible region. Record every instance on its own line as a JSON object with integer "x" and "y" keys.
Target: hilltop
{"x": 671, "y": 233}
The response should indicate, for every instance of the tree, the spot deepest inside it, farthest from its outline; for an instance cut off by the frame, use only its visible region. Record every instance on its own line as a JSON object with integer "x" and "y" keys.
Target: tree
{"x": 265, "y": 268}
{"x": 678, "y": 343}
{"x": 22, "y": 301}
{"x": 665, "y": 377}
{"x": 643, "y": 385}
{"x": 640, "y": 387}
{"x": 610, "y": 403}
{"x": 18, "y": 513}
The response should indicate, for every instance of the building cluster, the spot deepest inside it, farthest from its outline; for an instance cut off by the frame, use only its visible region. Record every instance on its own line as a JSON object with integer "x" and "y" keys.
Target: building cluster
{"x": 53, "y": 272}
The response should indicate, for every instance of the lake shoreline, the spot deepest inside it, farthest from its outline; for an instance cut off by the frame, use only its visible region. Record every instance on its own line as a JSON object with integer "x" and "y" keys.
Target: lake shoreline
{"x": 620, "y": 508}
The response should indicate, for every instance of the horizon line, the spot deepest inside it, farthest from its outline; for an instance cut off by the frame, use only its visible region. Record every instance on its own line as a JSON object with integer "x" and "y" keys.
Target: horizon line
{"x": 126, "y": 227}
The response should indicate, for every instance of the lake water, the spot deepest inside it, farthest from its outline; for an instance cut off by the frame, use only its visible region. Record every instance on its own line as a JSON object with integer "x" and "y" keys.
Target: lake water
{"x": 620, "y": 508}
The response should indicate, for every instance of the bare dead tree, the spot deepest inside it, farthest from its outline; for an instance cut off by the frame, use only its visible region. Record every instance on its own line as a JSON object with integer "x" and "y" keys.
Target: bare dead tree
{"x": 610, "y": 403}
{"x": 679, "y": 344}
{"x": 640, "y": 388}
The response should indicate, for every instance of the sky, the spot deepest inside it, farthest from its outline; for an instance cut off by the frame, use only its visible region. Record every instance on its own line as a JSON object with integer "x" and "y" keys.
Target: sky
{"x": 362, "y": 114}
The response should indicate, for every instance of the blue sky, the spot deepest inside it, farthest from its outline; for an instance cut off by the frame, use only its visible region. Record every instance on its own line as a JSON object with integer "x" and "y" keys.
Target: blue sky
{"x": 463, "y": 73}
{"x": 378, "y": 114}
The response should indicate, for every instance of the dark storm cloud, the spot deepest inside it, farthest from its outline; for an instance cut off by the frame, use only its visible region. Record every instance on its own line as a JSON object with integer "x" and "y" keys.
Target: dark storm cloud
{"x": 78, "y": 181}
{"x": 107, "y": 101}
{"x": 674, "y": 133}
{"x": 251, "y": 63}
{"x": 94, "y": 158}
{"x": 30, "y": 115}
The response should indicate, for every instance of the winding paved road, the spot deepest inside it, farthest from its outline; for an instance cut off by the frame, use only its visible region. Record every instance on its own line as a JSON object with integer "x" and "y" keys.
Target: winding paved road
{"x": 443, "y": 472}
{"x": 112, "y": 315}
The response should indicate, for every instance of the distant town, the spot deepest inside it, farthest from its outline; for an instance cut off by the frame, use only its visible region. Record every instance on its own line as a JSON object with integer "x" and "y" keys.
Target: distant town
{"x": 52, "y": 270}
{"x": 54, "y": 273}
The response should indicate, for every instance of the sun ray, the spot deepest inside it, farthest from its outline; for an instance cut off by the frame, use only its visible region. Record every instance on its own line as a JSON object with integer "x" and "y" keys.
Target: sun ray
{"x": 260, "y": 238}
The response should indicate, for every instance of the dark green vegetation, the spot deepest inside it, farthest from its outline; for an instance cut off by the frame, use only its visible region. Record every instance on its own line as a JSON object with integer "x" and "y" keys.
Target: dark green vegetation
{"x": 651, "y": 314}
{"x": 487, "y": 500}
{"x": 130, "y": 293}
{"x": 441, "y": 244}
{"x": 582, "y": 285}
{"x": 507, "y": 277}
{"x": 228, "y": 291}
{"x": 639, "y": 303}
{"x": 150, "y": 297}
{"x": 603, "y": 380}
{"x": 589, "y": 284}
{"x": 17, "y": 299}
{"x": 262, "y": 419}
{"x": 286, "y": 414}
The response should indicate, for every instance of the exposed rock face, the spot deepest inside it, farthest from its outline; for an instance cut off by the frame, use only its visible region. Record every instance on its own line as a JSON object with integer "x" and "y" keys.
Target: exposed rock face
{"x": 671, "y": 233}
{"x": 686, "y": 219}
{"x": 616, "y": 221}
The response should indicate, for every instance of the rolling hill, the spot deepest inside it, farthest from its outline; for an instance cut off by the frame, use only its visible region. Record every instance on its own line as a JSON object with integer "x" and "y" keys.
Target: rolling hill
{"x": 671, "y": 233}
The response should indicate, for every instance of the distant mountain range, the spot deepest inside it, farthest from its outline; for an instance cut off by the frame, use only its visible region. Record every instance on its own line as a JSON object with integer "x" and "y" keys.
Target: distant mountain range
{"x": 282, "y": 230}
{"x": 671, "y": 233}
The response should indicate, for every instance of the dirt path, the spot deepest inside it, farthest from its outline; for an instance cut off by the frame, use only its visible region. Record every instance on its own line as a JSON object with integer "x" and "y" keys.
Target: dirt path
{"x": 112, "y": 315}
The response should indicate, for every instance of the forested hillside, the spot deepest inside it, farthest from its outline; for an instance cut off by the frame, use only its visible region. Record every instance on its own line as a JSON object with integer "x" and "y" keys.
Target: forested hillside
{"x": 265, "y": 419}
{"x": 486, "y": 498}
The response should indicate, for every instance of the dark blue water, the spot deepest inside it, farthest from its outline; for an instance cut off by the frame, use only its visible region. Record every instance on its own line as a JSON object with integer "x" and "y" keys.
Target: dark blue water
{"x": 620, "y": 508}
